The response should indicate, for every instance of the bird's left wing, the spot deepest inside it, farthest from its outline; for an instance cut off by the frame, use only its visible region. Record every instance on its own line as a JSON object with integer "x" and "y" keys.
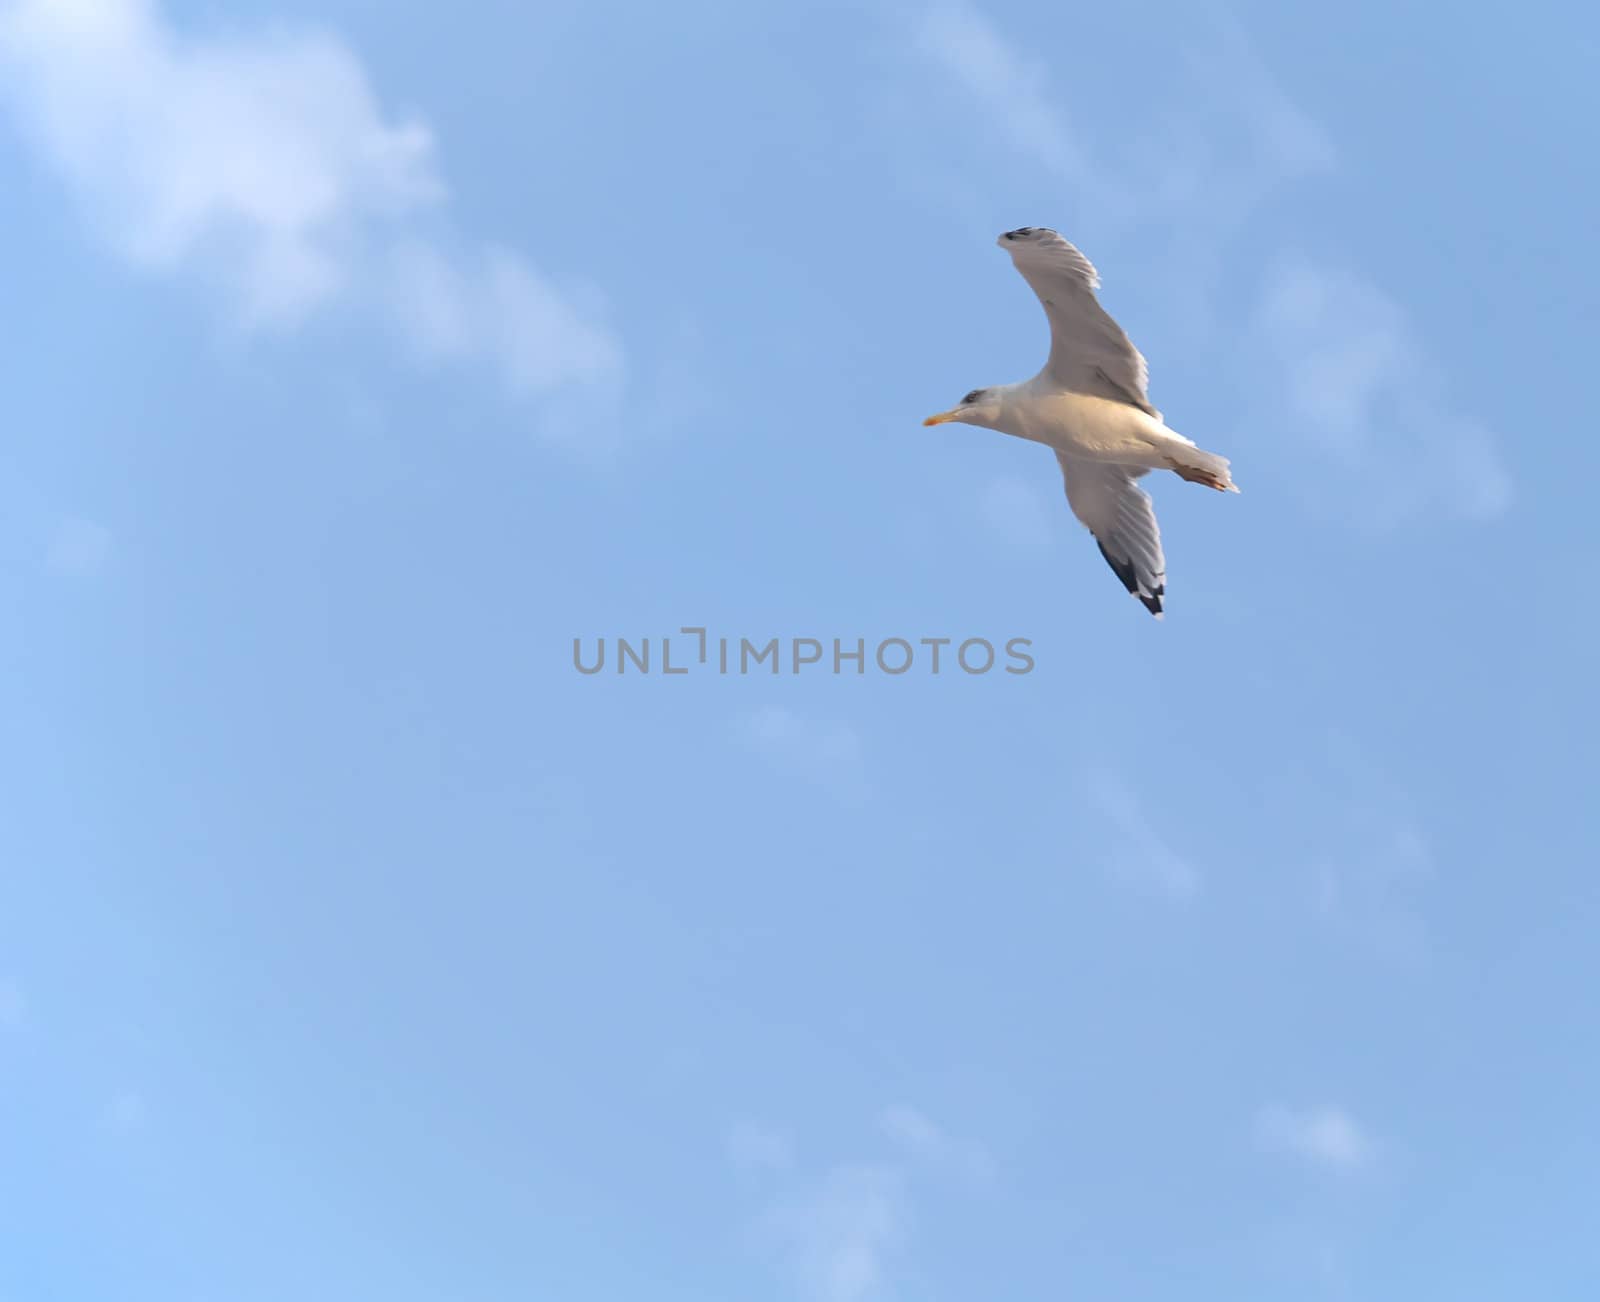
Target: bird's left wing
{"x": 1089, "y": 352}
{"x": 1122, "y": 519}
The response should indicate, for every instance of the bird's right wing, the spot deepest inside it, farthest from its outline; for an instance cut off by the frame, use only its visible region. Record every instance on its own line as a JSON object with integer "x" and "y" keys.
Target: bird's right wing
{"x": 1089, "y": 353}
{"x": 1122, "y": 519}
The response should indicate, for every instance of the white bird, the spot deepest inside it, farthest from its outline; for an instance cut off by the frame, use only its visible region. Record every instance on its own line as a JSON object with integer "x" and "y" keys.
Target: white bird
{"x": 1089, "y": 404}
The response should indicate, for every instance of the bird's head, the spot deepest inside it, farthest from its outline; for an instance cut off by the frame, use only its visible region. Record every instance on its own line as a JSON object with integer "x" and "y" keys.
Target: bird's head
{"x": 980, "y": 407}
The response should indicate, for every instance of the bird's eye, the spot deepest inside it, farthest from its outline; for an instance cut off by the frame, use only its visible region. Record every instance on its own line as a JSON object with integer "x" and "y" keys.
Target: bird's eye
{"x": 972, "y": 397}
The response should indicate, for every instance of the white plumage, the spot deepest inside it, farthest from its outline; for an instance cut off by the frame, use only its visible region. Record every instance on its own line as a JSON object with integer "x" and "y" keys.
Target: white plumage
{"x": 1090, "y": 404}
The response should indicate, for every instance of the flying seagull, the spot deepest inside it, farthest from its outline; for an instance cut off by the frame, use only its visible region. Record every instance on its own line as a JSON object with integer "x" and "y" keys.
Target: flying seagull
{"x": 1089, "y": 404}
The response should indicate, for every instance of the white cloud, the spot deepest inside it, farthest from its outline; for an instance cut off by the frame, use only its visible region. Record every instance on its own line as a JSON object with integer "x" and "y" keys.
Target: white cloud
{"x": 1348, "y": 825}
{"x": 1371, "y": 862}
{"x": 1011, "y": 87}
{"x": 843, "y": 1234}
{"x": 1326, "y": 1136}
{"x": 13, "y": 1007}
{"x": 1325, "y": 355}
{"x": 840, "y": 1237}
{"x": 753, "y": 1147}
{"x": 271, "y": 151}
{"x": 819, "y": 753}
{"x": 77, "y": 548}
{"x": 491, "y": 303}
{"x": 265, "y": 163}
{"x": 1357, "y": 382}
{"x": 925, "y": 1141}
{"x": 913, "y": 1130}
{"x": 1141, "y": 857}
{"x": 1251, "y": 136}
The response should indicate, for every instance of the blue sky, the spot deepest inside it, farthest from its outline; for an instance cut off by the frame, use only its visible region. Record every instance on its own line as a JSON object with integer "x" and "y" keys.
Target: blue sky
{"x": 359, "y": 357}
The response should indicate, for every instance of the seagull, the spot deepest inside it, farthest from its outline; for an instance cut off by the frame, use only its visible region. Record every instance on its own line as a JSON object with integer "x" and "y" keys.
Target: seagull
{"x": 1090, "y": 405}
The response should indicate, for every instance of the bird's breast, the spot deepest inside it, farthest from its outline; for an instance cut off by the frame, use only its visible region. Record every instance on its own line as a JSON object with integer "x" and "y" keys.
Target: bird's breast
{"x": 1081, "y": 423}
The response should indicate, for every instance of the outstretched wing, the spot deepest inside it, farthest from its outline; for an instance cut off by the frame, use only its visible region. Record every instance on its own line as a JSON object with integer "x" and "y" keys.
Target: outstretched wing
{"x": 1122, "y": 519}
{"x": 1089, "y": 353}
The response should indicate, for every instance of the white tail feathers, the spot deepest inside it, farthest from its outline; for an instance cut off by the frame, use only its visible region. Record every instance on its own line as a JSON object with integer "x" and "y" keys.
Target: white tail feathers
{"x": 1201, "y": 467}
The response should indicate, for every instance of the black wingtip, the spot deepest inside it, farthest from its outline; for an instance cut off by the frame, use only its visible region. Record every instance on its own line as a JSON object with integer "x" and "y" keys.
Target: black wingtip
{"x": 1124, "y": 571}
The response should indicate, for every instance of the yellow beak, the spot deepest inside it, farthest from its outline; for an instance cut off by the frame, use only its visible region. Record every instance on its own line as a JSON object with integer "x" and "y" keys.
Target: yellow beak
{"x": 943, "y": 417}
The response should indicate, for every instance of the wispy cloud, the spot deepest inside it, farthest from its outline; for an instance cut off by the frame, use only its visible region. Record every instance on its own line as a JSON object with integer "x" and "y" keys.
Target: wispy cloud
{"x": 490, "y": 302}
{"x": 1140, "y": 856}
{"x": 1325, "y": 1136}
{"x": 844, "y": 1234}
{"x": 820, "y": 753}
{"x": 1363, "y": 877}
{"x": 840, "y": 1236}
{"x": 1286, "y": 140}
{"x": 1010, "y": 85}
{"x": 913, "y": 1130}
{"x": 1357, "y": 382}
{"x": 922, "y": 1139}
{"x": 1327, "y": 355}
{"x": 264, "y": 164}
{"x": 1363, "y": 852}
